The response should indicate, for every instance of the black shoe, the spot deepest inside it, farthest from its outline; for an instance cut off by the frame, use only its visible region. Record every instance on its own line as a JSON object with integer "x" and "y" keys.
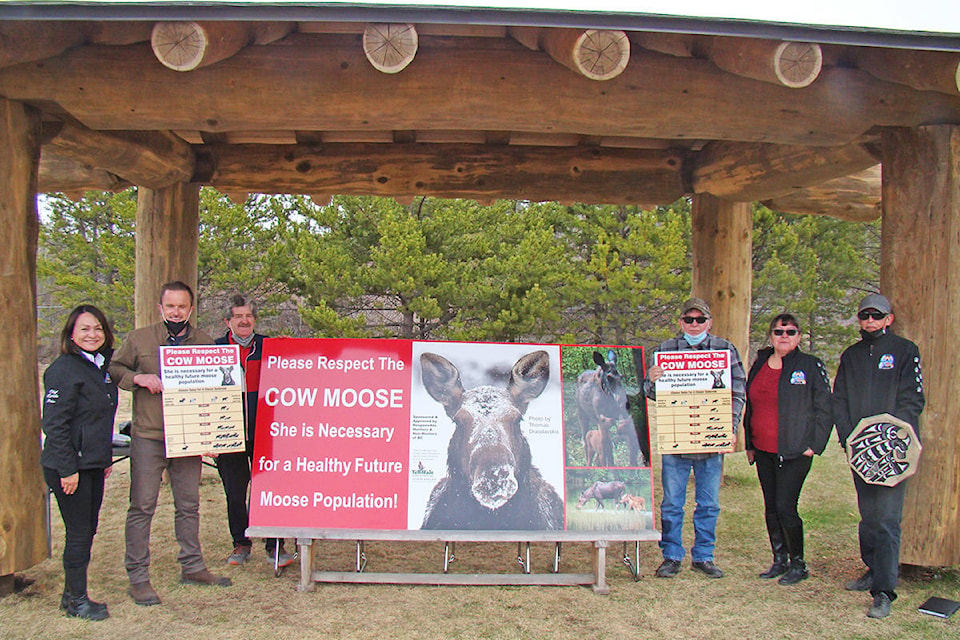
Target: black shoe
{"x": 863, "y": 583}
{"x": 778, "y": 568}
{"x": 796, "y": 573}
{"x": 85, "y": 608}
{"x": 880, "y": 607}
{"x": 668, "y": 568}
{"x": 708, "y": 568}
{"x": 65, "y": 600}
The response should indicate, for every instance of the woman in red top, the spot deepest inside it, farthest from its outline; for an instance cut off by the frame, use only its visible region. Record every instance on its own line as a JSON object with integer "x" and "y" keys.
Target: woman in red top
{"x": 787, "y": 421}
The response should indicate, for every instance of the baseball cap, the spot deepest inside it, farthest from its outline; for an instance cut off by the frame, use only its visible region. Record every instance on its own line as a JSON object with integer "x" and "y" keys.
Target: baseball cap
{"x": 695, "y": 303}
{"x": 875, "y": 301}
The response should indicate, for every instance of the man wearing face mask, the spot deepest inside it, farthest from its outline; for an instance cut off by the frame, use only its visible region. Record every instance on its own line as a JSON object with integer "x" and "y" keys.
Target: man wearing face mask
{"x": 136, "y": 368}
{"x": 240, "y": 316}
{"x": 879, "y": 374}
{"x": 695, "y": 324}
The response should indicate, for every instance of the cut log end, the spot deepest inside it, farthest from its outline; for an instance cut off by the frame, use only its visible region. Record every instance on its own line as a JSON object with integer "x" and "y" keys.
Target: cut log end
{"x": 797, "y": 64}
{"x": 601, "y": 54}
{"x": 179, "y": 45}
{"x": 390, "y": 47}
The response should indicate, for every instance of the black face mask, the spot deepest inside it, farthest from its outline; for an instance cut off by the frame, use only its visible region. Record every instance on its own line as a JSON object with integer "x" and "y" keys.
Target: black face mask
{"x": 174, "y": 328}
{"x": 872, "y": 335}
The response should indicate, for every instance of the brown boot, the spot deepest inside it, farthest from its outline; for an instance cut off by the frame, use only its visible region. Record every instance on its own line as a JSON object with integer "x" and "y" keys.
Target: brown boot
{"x": 205, "y": 578}
{"x": 143, "y": 594}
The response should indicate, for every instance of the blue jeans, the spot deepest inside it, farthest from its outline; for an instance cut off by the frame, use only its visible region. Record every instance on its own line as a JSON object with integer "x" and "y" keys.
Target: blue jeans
{"x": 675, "y": 475}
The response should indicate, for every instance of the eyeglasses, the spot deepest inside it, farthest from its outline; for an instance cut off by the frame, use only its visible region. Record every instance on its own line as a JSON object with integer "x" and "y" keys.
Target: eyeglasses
{"x": 789, "y": 332}
{"x": 691, "y": 319}
{"x": 876, "y": 315}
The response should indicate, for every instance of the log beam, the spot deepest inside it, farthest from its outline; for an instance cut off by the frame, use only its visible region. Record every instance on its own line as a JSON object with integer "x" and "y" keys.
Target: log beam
{"x": 746, "y": 172}
{"x": 597, "y": 54}
{"x": 594, "y": 175}
{"x": 186, "y": 46}
{"x": 167, "y": 241}
{"x": 23, "y": 41}
{"x": 23, "y": 494}
{"x": 855, "y": 197}
{"x": 922, "y": 70}
{"x": 154, "y": 159}
{"x": 66, "y": 175}
{"x": 790, "y": 64}
{"x": 484, "y": 88}
{"x": 920, "y": 273}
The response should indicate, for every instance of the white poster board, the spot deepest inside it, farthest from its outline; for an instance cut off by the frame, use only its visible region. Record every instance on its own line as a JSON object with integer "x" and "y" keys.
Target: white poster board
{"x": 694, "y": 411}
{"x": 202, "y": 399}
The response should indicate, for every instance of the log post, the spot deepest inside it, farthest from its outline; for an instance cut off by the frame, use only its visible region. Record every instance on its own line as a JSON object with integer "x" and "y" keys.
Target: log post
{"x": 390, "y": 47}
{"x": 166, "y": 245}
{"x": 920, "y": 273}
{"x": 23, "y": 503}
{"x": 722, "y": 245}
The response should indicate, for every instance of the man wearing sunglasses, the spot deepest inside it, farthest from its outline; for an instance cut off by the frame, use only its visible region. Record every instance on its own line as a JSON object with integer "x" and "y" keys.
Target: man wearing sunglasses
{"x": 695, "y": 324}
{"x": 879, "y": 374}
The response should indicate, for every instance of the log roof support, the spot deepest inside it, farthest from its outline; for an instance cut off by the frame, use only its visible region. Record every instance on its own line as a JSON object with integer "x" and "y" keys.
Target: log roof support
{"x": 390, "y": 47}
{"x": 855, "y": 197}
{"x": 23, "y": 509}
{"x": 167, "y": 241}
{"x": 746, "y": 172}
{"x": 920, "y": 273}
{"x": 494, "y": 90}
{"x": 59, "y": 173}
{"x": 185, "y": 46}
{"x": 153, "y": 159}
{"x": 597, "y": 54}
{"x": 586, "y": 174}
{"x": 922, "y": 70}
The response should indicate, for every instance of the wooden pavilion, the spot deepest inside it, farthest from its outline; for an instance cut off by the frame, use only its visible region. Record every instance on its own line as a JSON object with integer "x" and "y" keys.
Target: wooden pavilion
{"x": 327, "y": 98}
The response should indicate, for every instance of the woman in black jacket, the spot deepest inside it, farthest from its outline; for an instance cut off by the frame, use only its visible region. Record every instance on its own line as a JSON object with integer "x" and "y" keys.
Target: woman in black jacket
{"x": 79, "y": 404}
{"x": 787, "y": 420}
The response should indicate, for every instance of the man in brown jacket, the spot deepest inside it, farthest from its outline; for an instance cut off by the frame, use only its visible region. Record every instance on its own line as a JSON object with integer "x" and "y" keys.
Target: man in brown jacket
{"x": 136, "y": 368}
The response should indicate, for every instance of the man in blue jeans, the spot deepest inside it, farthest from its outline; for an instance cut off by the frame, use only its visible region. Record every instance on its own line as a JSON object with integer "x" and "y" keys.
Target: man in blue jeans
{"x": 695, "y": 325}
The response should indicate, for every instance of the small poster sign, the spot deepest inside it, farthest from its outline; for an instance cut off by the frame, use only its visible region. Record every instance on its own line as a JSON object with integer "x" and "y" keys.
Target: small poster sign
{"x": 202, "y": 399}
{"x": 694, "y": 411}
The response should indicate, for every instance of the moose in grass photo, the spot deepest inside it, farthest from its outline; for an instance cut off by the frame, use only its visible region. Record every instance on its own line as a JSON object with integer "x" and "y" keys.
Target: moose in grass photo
{"x": 603, "y": 413}
{"x": 491, "y": 482}
{"x": 600, "y": 491}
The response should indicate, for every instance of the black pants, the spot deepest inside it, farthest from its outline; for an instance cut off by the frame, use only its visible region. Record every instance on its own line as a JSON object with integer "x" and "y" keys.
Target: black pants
{"x": 81, "y": 514}
{"x": 781, "y": 482}
{"x": 234, "y": 470}
{"x": 880, "y": 511}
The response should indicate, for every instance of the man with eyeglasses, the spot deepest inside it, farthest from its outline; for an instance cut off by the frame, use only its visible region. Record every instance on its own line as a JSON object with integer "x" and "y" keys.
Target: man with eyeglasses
{"x": 879, "y": 374}
{"x": 695, "y": 324}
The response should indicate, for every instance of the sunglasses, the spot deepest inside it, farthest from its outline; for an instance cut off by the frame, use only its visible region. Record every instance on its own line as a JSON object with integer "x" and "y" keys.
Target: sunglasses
{"x": 789, "y": 332}
{"x": 691, "y": 319}
{"x": 876, "y": 315}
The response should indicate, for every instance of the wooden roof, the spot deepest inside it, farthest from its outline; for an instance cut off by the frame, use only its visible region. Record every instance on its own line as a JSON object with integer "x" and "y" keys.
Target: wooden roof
{"x": 480, "y": 111}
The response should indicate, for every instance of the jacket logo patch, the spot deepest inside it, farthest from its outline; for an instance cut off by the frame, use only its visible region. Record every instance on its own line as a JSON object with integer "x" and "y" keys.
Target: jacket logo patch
{"x": 798, "y": 377}
{"x": 52, "y": 396}
{"x": 107, "y": 378}
{"x": 886, "y": 361}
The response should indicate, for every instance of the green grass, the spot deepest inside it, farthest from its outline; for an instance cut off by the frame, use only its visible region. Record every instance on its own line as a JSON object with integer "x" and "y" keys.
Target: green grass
{"x": 260, "y": 606}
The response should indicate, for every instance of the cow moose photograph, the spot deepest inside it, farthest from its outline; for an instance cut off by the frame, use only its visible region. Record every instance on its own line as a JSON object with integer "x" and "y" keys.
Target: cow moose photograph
{"x": 491, "y": 481}
{"x": 604, "y": 413}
